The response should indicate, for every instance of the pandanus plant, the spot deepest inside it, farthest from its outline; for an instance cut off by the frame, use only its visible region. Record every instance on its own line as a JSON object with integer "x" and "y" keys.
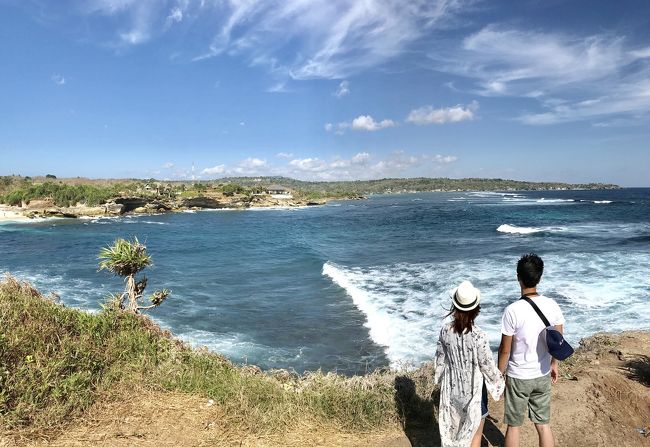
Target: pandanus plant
{"x": 126, "y": 259}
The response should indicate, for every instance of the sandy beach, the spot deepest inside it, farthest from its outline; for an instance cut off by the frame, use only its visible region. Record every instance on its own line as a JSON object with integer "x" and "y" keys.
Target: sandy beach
{"x": 8, "y": 214}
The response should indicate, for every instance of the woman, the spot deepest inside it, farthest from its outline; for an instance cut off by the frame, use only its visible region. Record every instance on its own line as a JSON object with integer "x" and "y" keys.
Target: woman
{"x": 465, "y": 371}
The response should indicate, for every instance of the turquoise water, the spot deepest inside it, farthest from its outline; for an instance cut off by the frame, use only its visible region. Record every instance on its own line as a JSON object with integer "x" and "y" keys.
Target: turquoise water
{"x": 356, "y": 285}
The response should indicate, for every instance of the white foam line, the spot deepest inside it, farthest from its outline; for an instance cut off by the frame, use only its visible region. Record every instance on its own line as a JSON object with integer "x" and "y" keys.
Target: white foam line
{"x": 512, "y": 229}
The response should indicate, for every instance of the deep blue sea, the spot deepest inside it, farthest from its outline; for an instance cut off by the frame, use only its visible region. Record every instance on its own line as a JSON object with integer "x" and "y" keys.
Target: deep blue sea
{"x": 356, "y": 285}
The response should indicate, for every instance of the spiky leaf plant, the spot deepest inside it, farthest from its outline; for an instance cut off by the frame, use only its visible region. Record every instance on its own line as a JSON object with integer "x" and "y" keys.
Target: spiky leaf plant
{"x": 126, "y": 259}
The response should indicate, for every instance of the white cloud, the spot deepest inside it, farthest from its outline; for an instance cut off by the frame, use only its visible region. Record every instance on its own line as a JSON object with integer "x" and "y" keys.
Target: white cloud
{"x": 362, "y": 123}
{"x": 253, "y": 163}
{"x": 248, "y": 166}
{"x": 627, "y": 99}
{"x": 444, "y": 159}
{"x": 168, "y": 165}
{"x": 367, "y": 123}
{"x": 324, "y": 39}
{"x": 134, "y": 37}
{"x": 58, "y": 79}
{"x": 284, "y": 154}
{"x": 570, "y": 77}
{"x": 175, "y": 16}
{"x": 343, "y": 89}
{"x": 279, "y": 87}
{"x": 396, "y": 164}
{"x": 507, "y": 60}
{"x": 361, "y": 158}
{"x": 364, "y": 166}
{"x": 309, "y": 164}
{"x": 361, "y": 165}
{"x": 216, "y": 170}
{"x": 429, "y": 115}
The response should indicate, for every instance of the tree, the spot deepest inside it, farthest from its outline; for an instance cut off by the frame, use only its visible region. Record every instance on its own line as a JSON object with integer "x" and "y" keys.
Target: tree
{"x": 126, "y": 259}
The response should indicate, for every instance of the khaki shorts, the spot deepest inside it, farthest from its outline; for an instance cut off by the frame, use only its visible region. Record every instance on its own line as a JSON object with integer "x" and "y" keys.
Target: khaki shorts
{"x": 531, "y": 394}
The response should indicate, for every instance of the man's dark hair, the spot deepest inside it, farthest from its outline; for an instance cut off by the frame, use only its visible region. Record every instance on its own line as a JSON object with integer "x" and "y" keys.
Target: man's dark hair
{"x": 529, "y": 269}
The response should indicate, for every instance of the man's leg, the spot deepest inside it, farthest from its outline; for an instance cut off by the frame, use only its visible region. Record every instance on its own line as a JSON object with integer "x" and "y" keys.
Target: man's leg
{"x": 545, "y": 435}
{"x": 512, "y": 436}
{"x": 540, "y": 410}
{"x": 516, "y": 403}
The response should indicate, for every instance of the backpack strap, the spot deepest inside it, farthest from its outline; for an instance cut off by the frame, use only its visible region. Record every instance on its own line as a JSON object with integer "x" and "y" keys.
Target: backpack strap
{"x": 539, "y": 312}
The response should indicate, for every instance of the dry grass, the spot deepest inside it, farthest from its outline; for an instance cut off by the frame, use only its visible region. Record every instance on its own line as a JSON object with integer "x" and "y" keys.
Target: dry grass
{"x": 57, "y": 362}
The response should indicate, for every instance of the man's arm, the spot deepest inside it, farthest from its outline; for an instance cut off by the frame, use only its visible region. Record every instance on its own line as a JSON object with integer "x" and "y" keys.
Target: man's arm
{"x": 554, "y": 362}
{"x": 504, "y": 352}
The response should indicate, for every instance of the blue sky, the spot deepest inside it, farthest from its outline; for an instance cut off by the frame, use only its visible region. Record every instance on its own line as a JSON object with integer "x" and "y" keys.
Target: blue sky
{"x": 326, "y": 90}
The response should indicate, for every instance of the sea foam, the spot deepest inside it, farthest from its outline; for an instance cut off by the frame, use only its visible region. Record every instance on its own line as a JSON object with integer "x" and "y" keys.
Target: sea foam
{"x": 512, "y": 229}
{"x": 405, "y": 304}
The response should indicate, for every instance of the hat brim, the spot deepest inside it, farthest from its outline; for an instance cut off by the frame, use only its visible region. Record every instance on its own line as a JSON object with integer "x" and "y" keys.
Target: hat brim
{"x": 465, "y": 307}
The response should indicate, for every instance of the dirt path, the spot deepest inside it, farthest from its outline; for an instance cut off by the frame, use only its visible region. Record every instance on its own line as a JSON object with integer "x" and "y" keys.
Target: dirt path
{"x": 602, "y": 399}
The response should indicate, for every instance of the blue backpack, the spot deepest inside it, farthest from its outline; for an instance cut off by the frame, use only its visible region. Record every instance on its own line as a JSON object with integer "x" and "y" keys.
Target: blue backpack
{"x": 558, "y": 347}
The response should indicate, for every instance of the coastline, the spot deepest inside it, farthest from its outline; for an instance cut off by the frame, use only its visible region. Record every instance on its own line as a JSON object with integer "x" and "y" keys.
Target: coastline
{"x": 118, "y": 206}
{"x": 10, "y": 214}
{"x": 602, "y": 396}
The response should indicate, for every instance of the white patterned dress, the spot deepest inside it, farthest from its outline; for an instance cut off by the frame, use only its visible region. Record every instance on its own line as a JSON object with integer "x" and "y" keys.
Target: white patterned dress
{"x": 463, "y": 362}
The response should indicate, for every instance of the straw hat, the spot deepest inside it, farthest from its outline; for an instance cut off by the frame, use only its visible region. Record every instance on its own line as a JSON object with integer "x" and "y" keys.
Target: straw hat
{"x": 465, "y": 297}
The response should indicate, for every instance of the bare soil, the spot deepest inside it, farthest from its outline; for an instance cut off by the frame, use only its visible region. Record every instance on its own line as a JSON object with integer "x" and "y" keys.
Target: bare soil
{"x": 601, "y": 399}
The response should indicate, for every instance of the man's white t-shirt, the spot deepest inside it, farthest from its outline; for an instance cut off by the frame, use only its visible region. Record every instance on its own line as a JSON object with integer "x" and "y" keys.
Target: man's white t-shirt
{"x": 529, "y": 356}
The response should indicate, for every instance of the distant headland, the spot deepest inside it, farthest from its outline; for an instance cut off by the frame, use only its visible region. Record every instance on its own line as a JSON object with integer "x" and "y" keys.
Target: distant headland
{"x": 49, "y": 196}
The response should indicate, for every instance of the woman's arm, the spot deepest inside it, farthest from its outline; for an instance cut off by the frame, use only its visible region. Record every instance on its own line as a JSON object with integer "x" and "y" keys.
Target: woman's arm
{"x": 493, "y": 378}
{"x": 440, "y": 360}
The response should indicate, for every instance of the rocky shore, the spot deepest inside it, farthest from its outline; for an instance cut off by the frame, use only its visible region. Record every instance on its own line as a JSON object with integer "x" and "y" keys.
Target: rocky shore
{"x": 150, "y": 205}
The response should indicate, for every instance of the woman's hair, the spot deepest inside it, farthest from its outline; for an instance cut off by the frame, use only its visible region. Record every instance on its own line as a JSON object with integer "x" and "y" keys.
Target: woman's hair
{"x": 464, "y": 320}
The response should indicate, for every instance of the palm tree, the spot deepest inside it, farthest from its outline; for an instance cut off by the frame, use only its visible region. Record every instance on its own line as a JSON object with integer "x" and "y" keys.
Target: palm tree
{"x": 126, "y": 259}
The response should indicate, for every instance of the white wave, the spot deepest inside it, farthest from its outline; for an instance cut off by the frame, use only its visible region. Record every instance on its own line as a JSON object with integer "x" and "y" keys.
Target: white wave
{"x": 74, "y": 292}
{"x": 602, "y": 201}
{"x": 512, "y": 229}
{"x": 241, "y": 347}
{"x": 278, "y": 208}
{"x": 544, "y": 200}
{"x": 404, "y": 304}
{"x": 147, "y": 222}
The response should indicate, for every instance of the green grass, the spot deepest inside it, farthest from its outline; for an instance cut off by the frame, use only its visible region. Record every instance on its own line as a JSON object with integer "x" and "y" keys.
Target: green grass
{"x": 56, "y": 361}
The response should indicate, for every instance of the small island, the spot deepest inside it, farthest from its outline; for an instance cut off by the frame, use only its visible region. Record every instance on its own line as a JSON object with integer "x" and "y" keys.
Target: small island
{"x": 48, "y": 196}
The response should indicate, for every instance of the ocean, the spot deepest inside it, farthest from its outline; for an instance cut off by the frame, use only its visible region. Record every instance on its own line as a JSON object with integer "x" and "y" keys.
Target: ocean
{"x": 353, "y": 286}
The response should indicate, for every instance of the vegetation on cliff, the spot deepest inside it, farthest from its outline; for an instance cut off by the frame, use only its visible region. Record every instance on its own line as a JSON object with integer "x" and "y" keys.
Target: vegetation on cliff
{"x": 56, "y": 361}
{"x": 15, "y": 190}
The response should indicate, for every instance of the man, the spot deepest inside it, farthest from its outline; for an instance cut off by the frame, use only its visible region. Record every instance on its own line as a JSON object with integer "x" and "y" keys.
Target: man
{"x": 524, "y": 356}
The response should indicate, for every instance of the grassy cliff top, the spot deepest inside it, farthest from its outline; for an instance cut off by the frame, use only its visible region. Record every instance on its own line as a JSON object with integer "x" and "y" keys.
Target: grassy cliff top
{"x": 55, "y": 362}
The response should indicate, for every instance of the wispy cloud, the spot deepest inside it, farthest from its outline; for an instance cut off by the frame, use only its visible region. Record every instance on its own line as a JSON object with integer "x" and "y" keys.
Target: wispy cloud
{"x": 362, "y": 123}
{"x": 629, "y": 99}
{"x": 429, "y": 115}
{"x": 284, "y": 155}
{"x": 58, "y": 79}
{"x": 343, "y": 89}
{"x": 325, "y": 39}
{"x": 571, "y": 77}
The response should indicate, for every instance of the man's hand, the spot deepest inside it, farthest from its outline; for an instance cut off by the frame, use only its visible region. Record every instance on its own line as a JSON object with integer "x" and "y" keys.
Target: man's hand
{"x": 554, "y": 374}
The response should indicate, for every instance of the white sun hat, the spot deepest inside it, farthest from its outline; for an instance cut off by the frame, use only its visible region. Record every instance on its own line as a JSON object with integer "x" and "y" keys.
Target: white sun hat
{"x": 465, "y": 297}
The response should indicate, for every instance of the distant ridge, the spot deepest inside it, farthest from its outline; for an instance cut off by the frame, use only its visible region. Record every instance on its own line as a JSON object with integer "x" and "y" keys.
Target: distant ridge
{"x": 418, "y": 184}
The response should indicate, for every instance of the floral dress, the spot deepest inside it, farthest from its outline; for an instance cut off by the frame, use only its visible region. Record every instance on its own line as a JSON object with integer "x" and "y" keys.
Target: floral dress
{"x": 463, "y": 363}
